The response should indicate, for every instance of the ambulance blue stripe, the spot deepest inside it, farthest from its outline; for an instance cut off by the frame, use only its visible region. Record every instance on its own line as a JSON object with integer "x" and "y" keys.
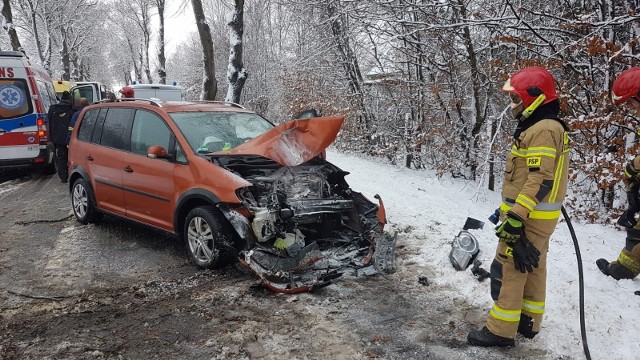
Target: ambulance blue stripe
{"x": 20, "y": 122}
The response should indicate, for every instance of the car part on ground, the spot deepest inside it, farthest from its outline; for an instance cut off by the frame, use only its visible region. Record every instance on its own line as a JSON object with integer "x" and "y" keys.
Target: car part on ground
{"x": 464, "y": 249}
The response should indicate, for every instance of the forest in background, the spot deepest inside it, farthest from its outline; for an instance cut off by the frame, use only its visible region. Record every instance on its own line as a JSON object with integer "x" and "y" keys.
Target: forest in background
{"x": 419, "y": 81}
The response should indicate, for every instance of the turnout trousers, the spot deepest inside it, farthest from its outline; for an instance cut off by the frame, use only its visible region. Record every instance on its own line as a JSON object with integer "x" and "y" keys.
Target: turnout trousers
{"x": 515, "y": 293}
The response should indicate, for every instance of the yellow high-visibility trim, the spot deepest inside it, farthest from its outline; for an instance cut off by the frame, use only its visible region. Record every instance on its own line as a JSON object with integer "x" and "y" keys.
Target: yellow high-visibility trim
{"x": 556, "y": 179}
{"x": 534, "y": 307}
{"x": 544, "y": 215}
{"x": 629, "y": 263}
{"x": 518, "y": 152}
{"x": 536, "y": 214}
{"x": 542, "y": 151}
{"x": 526, "y": 201}
{"x": 627, "y": 173}
{"x": 505, "y": 315}
{"x": 534, "y": 151}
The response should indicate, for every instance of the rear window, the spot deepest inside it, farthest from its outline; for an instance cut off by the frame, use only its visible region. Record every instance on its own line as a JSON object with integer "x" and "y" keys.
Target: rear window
{"x": 214, "y": 131}
{"x": 116, "y": 128}
{"x": 15, "y": 100}
{"x": 87, "y": 125}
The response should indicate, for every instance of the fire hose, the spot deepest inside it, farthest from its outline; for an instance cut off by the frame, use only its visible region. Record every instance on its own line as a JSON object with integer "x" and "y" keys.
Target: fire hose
{"x": 583, "y": 330}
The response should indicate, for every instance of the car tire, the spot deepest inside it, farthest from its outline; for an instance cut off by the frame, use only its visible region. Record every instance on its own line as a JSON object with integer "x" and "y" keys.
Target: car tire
{"x": 50, "y": 169}
{"x": 83, "y": 202}
{"x": 205, "y": 235}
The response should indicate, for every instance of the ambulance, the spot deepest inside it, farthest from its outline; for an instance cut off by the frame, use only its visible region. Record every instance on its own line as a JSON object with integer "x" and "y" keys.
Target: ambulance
{"x": 158, "y": 91}
{"x": 26, "y": 92}
{"x": 61, "y": 86}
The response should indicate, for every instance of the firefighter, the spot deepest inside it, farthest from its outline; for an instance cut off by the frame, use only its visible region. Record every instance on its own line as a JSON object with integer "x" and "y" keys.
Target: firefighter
{"x": 127, "y": 92}
{"x": 534, "y": 187}
{"x": 626, "y": 90}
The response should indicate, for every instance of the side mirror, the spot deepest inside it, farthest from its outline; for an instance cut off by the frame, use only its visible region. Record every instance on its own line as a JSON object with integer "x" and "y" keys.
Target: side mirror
{"x": 307, "y": 114}
{"x": 157, "y": 152}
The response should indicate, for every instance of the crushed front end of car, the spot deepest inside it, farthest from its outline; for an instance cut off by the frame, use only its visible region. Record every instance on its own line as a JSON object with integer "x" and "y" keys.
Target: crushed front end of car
{"x": 300, "y": 223}
{"x": 306, "y": 226}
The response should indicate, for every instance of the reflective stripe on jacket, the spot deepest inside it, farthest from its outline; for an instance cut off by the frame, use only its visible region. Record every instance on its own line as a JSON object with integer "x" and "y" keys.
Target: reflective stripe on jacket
{"x": 536, "y": 175}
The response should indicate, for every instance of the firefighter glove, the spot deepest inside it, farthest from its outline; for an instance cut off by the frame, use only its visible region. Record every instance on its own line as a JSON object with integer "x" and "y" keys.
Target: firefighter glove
{"x": 525, "y": 255}
{"x": 510, "y": 230}
{"x": 632, "y": 199}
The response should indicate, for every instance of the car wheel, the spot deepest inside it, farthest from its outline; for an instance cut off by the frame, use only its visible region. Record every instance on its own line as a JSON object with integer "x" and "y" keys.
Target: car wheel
{"x": 83, "y": 202}
{"x": 205, "y": 235}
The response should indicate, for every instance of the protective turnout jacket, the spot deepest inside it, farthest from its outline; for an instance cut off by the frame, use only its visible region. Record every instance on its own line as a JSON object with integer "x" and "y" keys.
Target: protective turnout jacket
{"x": 536, "y": 175}
{"x": 535, "y": 184}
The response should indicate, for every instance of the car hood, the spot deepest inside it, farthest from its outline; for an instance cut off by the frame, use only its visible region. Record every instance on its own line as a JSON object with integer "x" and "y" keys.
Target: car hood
{"x": 293, "y": 142}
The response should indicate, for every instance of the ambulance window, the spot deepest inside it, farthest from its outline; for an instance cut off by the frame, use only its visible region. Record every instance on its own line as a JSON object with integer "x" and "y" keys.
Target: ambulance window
{"x": 45, "y": 94}
{"x": 87, "y": 124}
{"x": 14, "y": 98}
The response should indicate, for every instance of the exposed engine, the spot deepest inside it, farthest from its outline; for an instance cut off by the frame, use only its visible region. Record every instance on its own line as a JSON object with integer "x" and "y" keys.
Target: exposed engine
{"x": 307, "y": 225}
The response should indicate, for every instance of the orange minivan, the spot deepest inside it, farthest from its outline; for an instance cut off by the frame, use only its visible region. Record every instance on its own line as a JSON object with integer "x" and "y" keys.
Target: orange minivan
{"x": 231, "y": 184}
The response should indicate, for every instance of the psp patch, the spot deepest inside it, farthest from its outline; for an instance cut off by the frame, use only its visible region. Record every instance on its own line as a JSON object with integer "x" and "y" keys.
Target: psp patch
{"x": 534, "y": 162}
{"x": 11, "y": 97}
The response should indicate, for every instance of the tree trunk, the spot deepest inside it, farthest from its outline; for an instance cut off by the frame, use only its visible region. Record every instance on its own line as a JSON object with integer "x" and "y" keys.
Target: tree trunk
{"x": 236, "y": 73}
{"x": 209, "y": 83}
{"x": 34, "y": 21}
{"x": 66, "y": 60}
{"x": 162, "y": 60}
{"x": 136, "y": 68}
{"x": 9, "y": 27}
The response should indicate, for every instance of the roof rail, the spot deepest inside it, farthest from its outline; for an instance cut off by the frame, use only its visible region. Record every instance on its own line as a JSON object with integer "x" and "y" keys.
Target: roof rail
{"x": 222, "y": 102}
{"x": 153, "y": 102}
{"x": 12, "y": 53}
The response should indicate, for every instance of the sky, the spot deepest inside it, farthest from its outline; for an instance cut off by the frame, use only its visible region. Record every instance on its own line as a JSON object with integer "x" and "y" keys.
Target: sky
{"x": 179, "y": 23}
{"x": 434, "y": 210}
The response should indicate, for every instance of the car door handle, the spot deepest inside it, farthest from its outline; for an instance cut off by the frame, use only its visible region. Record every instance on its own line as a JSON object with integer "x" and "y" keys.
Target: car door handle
{"x": 90, "y": 158}
{"x": 128, "y": 169}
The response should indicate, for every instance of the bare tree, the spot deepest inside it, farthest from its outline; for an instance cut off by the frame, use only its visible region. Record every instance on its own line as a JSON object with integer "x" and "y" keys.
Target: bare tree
{"x": 209, "y": 83}
{"x": 236, "y": 73}
{"x": 162, "y": 60}
{"x": 7, "y": 24}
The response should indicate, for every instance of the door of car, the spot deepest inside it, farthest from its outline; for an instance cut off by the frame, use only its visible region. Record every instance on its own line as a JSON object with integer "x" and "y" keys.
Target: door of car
{"x": 148, "y": 183}
{"x": 105, "y": 155}
{"x": 84, "y": 91}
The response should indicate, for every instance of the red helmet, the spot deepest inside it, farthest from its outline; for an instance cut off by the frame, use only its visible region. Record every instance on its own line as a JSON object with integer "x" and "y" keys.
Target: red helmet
{"x": 127, "y": 92}
{"x": 530, "y": 83}
{"x": 626, "y": 86}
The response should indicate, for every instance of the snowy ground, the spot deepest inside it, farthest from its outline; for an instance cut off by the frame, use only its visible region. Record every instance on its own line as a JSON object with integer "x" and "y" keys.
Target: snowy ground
{"x": 431, "y": 211}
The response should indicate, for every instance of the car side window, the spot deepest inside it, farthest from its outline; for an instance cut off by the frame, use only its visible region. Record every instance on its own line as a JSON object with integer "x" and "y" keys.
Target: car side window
{"x": 87, "y": 125}
{"x": 148, "y": 129}
{"x": 116, "y": 128}
{"x": 97, "y": 133}
{"x": 180, "y": 156}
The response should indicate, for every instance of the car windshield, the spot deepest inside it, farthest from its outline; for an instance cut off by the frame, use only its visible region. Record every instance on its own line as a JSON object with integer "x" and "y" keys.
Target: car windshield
{"x": 215, "y": 131}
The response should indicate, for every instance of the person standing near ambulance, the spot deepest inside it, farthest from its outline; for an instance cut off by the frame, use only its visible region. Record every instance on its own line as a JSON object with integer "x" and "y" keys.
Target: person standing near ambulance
{"x": 59, "y": 116}
{"x": 626, "y": 90}
{"x": 535, "y": 185}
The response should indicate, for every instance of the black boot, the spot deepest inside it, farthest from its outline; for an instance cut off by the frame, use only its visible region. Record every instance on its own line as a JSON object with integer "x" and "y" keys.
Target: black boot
{"x": 603, "y": 265}
{"x": 484, "y": 337}
{"x": 614, "y": 270}
{"x": 525, "y": 327}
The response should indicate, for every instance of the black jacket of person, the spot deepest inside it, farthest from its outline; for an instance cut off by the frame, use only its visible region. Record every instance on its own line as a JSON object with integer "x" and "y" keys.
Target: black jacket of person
{"x": 59, "y": 116}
